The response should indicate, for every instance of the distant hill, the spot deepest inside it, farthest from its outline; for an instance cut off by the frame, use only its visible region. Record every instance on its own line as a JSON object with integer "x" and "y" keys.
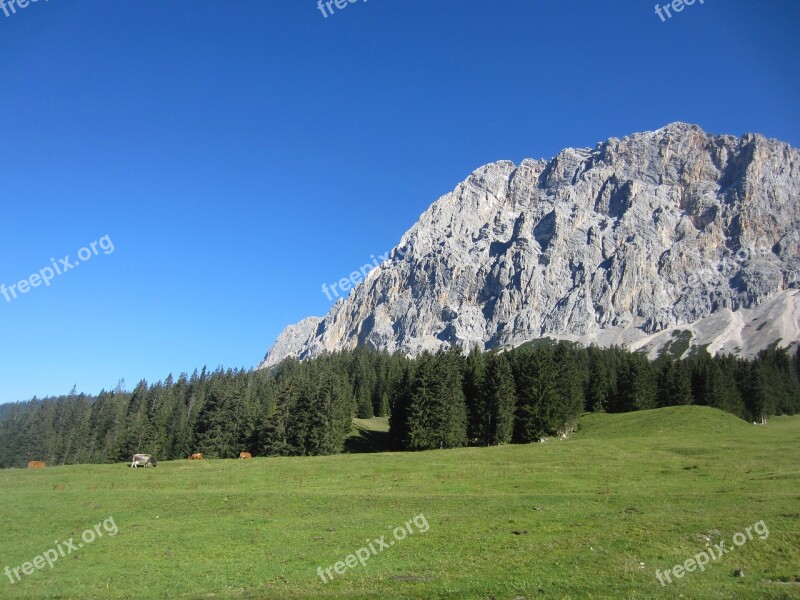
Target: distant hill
{"x": 700, "y": 420}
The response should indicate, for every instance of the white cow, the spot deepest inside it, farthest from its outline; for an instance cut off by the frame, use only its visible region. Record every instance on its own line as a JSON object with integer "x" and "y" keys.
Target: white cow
{"x": 144, "y": 460}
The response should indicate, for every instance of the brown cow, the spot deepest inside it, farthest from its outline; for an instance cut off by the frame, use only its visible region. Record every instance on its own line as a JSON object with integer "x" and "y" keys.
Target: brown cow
{"x": 245, "y": 455}
{"x": 196, "y": 456}
{"x": 36, "y": 464}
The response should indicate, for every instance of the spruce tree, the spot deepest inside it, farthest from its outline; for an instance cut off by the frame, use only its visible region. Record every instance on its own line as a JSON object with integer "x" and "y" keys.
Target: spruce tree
{"x": 475, "y": 397}
{"x": 721, "y": 390}
{"x": 274, "y": 438}
{"x": 330, "y": 412}
{"x": 600, "y": 391}
{"x": 364, "y": 381}
{"x": 570, "y": 400}
{"x": 757, "y": 400}
{"x": 674, "y": 386}
{"x": 422, "y": 406}
{"x": 538, "y": 396}
{"x": 437, "y": 414}
{"x": 500, "y": 395}
{"x": 637, "y": 384}
{"x": 451, "y": 391}
{"x": 797, "y": 365}
{"x": 401, "y": 403}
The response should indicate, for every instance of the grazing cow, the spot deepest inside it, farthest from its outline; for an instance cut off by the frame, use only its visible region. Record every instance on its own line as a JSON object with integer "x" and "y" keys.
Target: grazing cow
{"x": 245, "y": 455}
{"x": 144, "y": 460}
{"x": 36, "y": 464}
{"x": 196, "y": 456}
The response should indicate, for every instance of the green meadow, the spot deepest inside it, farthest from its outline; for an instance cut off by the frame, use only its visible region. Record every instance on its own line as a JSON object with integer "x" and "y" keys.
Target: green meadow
{"x": 591, "y": 516}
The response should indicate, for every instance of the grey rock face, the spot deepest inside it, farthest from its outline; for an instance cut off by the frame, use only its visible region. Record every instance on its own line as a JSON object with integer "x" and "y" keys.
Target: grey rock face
{"x": 607, "y": 245}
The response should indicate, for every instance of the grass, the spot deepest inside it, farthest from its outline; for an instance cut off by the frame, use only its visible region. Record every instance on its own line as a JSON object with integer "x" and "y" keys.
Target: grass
{"x": 678, "y": 345}
{"x": 571, "y": 518}
{"x": 369, "y": 435}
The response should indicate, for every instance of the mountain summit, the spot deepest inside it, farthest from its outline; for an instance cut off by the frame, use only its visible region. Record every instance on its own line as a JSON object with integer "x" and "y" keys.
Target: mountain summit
{"x": 664, "y": 240}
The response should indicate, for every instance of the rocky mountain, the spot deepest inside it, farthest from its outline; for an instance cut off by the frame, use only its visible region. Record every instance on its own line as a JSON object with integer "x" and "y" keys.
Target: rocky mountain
{"x": 662, "y": 240}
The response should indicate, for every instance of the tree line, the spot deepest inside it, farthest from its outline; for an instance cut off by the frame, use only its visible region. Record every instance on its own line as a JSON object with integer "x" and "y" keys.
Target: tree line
{"x": 441, "y": 400}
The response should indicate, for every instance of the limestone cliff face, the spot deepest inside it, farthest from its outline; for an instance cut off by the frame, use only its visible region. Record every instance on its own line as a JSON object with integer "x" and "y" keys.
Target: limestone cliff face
{"x": 616, "y": 244}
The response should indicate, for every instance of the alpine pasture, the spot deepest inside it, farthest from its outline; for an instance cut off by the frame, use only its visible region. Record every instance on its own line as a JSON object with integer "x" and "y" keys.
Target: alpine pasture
{"x": 591, "y": 516}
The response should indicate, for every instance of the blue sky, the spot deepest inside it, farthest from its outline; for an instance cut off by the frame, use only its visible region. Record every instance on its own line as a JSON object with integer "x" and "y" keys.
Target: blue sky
{"x": 240, "y": 154}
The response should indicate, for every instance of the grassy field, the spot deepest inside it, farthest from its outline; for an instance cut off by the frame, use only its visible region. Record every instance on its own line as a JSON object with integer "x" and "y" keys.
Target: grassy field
{"x": 592, "y": 516}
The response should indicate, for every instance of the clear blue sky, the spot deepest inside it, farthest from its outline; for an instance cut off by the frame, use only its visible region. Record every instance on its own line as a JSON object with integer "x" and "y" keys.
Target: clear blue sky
{"x": 241, "y": 154}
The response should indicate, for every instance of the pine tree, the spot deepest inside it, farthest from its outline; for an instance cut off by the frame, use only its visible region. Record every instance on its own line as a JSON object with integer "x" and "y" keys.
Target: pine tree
{"x": 797, "y": 364}
{"x": 474, "y": 394}
{"x": 433, "y": 402}
{"x": 700, "y": 367}
{"x": 437, "y": 413}
{"x": 76, "y": 434}
{"x": 274, "y": 438}
{"x": 364, "y": 381}
{"x": 600, "y": 391}
{"x": 451, "y": 391}
{"x": 401, "y": 403}
{"x": 214, "y": 424}
{"x": 537, "y": 394}
{"x": 180, "y": 434}
{"x": 135, "y": 424}
{"x": 331, "y": 413}
{"x": 674, "y": 386}
{"x": 636, "y": 385}
{"x": 569, "y": 390}
{"x": 721, "y": 390}
{"x": 500, "y": 396}
{"x": 783, "y": 388}
{"x": 757, "y": 399}
{"x": 422, "y": 404}
{"x": 385, "y": 406}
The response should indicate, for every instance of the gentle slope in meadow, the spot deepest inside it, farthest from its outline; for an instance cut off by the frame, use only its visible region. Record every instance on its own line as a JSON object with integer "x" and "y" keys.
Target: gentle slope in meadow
{"x": 595, "y": 514}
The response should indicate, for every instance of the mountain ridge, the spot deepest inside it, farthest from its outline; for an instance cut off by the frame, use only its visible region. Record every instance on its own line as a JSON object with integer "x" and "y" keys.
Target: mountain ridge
{"x": 621, "y": 243}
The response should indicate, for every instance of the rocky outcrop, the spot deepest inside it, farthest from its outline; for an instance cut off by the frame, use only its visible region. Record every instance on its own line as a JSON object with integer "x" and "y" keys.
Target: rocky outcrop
{"x": 614, "y": 244}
